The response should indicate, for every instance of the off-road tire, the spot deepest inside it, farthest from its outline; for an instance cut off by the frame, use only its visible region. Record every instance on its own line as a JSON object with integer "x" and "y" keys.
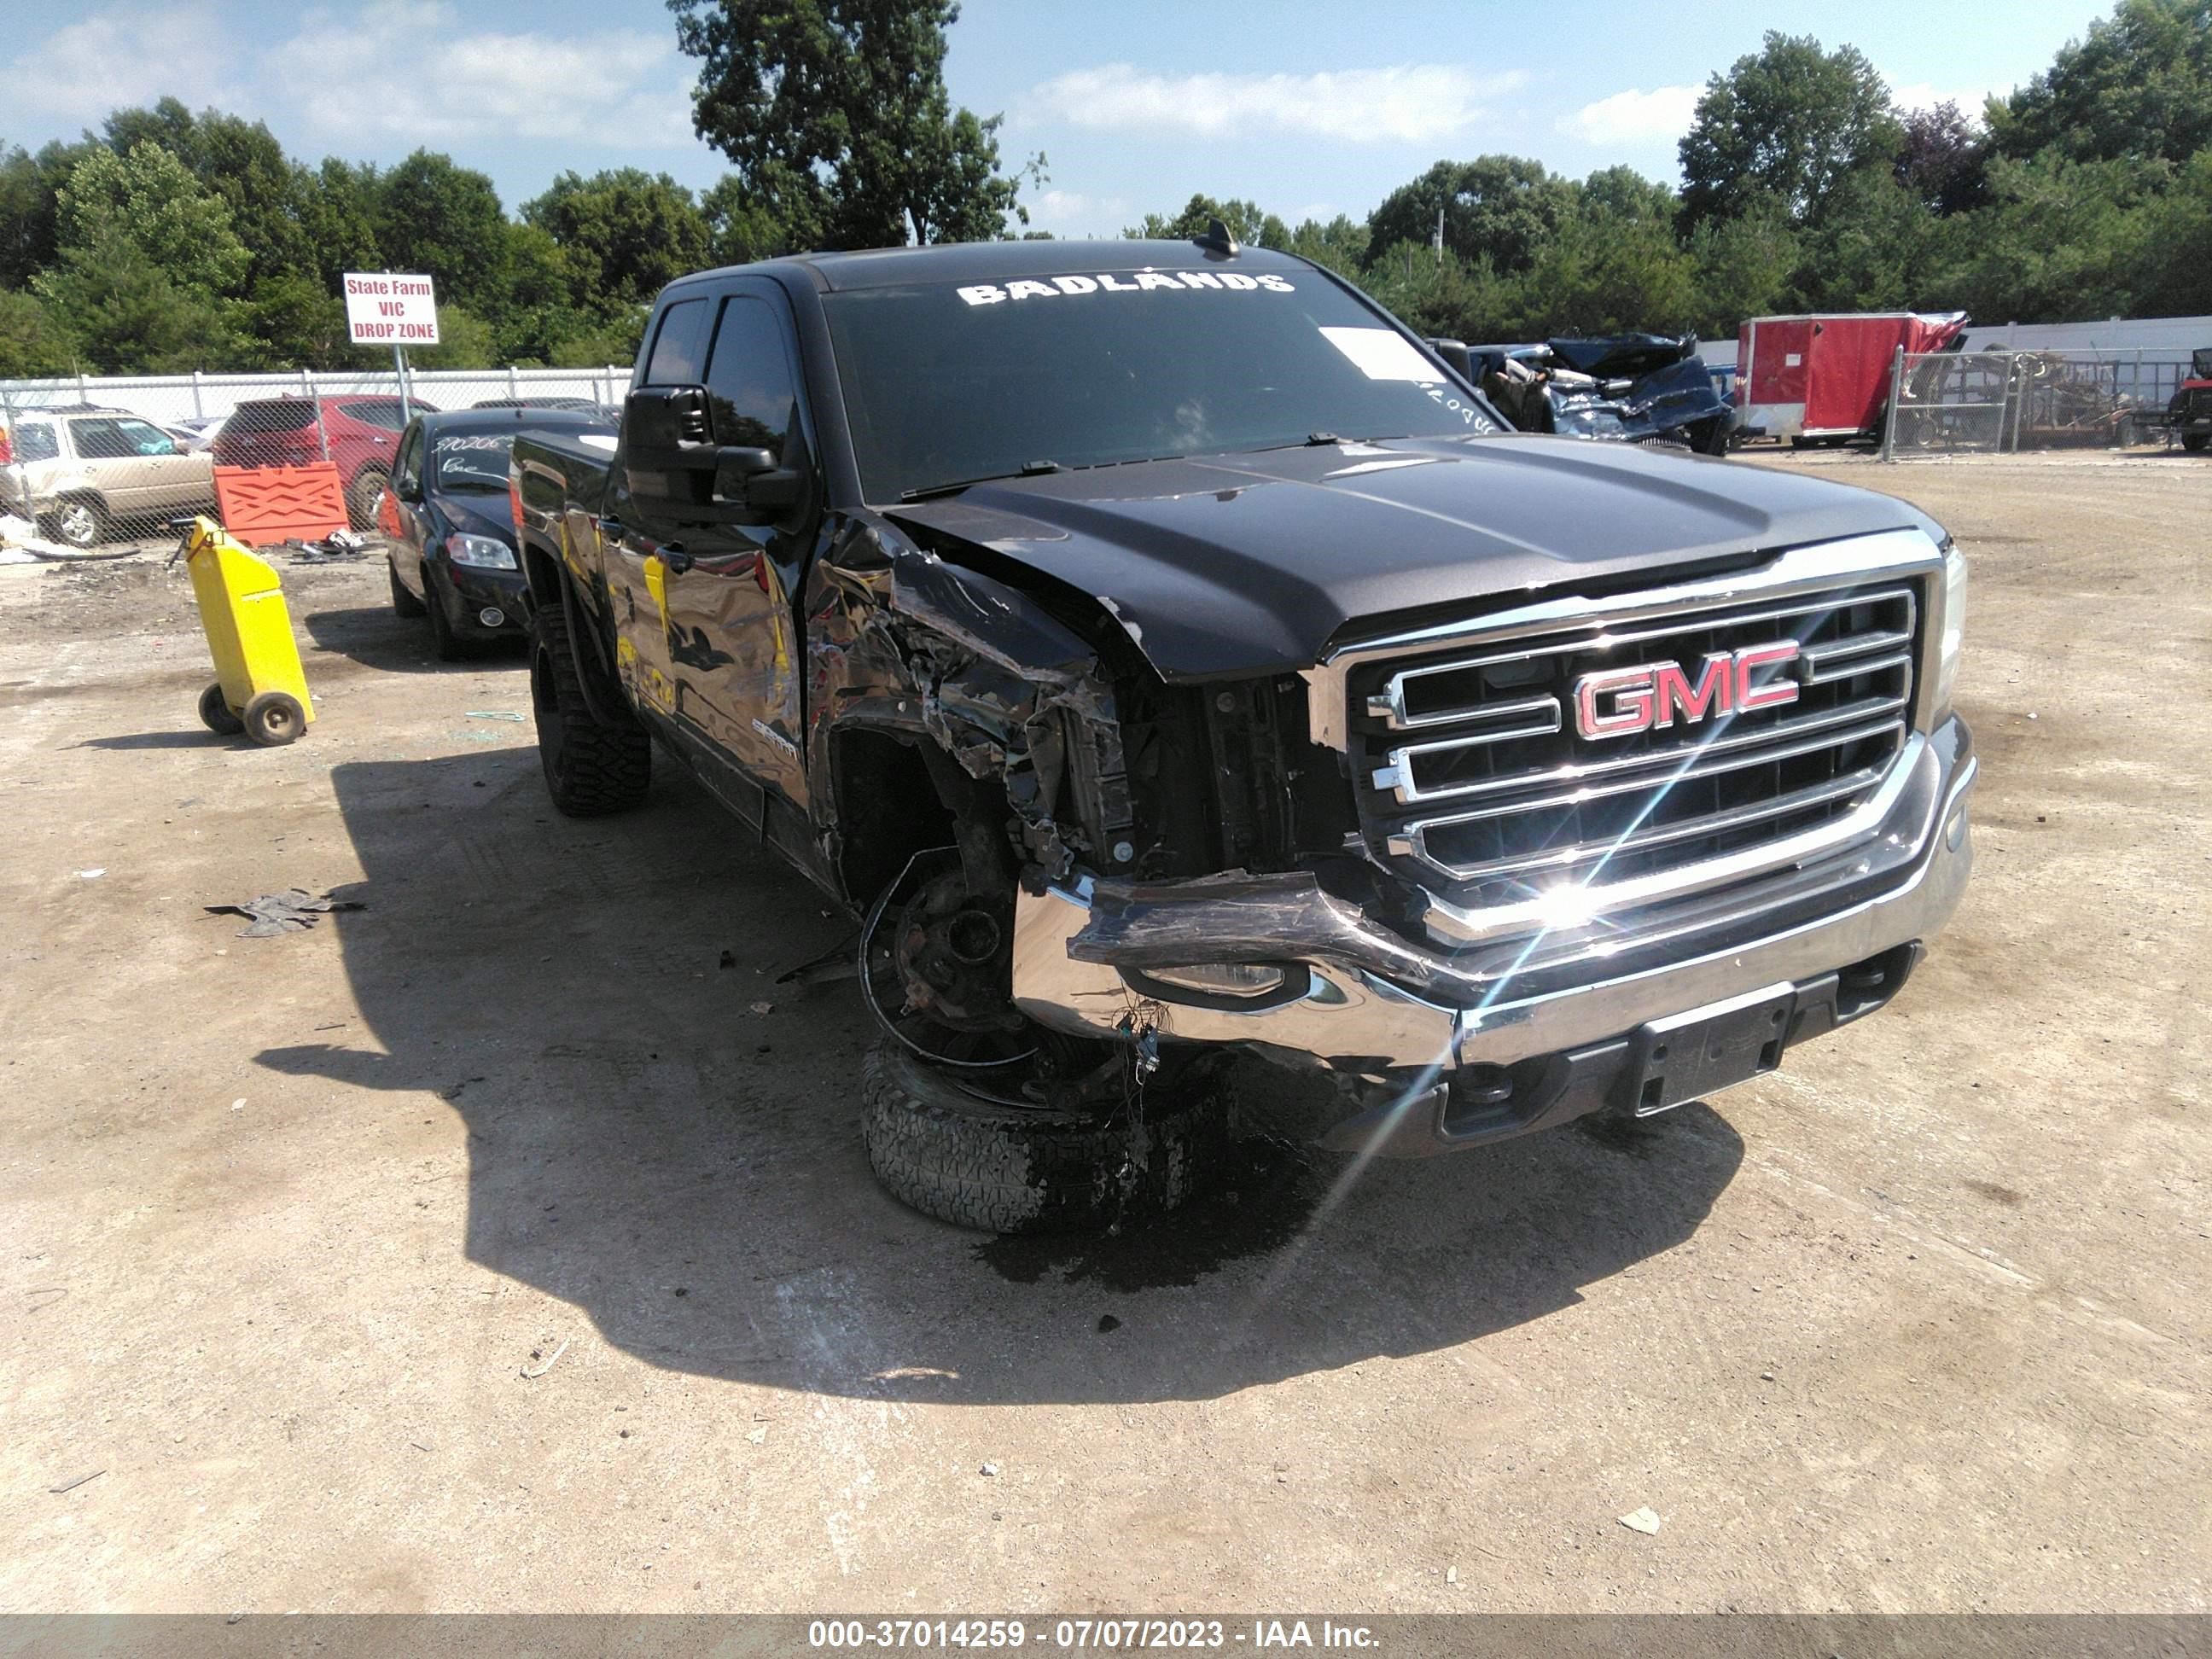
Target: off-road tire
{"x": 215, "y": 713}
{"x": 2196, "y": 442}
{"x": 273, "y": 719}
{"x": 591, "y": 769}
{"x": 949, "y": 1150}
{"x": 361, "y": 497}
{"x": 403, "y": 604}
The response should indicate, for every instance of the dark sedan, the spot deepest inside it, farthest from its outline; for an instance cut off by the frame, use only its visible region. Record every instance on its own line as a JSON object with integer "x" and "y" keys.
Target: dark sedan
{"x": 448, "y": 525}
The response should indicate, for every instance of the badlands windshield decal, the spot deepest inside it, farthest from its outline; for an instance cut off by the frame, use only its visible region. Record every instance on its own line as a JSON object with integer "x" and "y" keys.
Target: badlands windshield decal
{"x": 1234, "y": 282}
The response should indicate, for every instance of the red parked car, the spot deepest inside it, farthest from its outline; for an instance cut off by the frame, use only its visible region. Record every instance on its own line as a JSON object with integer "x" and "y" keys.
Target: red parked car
{"x": 359, "y": 434}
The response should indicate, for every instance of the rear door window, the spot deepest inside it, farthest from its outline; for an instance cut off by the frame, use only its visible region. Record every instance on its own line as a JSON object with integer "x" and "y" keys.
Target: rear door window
{"x": 275, "y": 415}
{"x": 377, "y": 411}
{"x": 679, "y": 345}
{"x": 102, "y": 438}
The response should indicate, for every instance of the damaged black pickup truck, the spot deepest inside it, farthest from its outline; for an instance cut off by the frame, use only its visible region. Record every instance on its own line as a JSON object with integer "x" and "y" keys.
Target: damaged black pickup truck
{"x": 1169, "y": 660}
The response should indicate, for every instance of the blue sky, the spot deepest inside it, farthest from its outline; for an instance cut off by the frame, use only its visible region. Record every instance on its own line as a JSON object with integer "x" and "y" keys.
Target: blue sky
{"x": 1307, "y": 108}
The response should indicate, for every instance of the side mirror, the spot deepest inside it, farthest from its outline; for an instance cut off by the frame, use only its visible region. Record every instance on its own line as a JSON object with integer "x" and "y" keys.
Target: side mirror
{"x": 666, "y": 431}
{"x": 668, "y": 439}
{"x": 1456, "y": 357}
{"x": 752, "y": 476}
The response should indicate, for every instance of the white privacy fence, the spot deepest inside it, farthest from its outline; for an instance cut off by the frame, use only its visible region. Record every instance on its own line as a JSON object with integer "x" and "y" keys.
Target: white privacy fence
{"x": 91, "y": 460}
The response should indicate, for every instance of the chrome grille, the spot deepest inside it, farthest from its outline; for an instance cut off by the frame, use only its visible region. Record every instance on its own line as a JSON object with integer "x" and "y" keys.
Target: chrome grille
{"x": 1472, "y": 777}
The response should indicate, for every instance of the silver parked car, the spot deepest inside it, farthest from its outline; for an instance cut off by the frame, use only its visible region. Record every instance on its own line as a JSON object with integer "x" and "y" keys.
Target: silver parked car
{"x": 90, "y": 473}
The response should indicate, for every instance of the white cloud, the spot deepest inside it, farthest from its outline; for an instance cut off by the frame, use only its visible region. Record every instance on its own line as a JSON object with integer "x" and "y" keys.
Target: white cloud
{"x": 619, "y": 84}
{"x": 1074, "y": 212}
{"x": 116, "y": 58}
{"x": 1635, "y": 116}
{"x": 1411, "y": 103}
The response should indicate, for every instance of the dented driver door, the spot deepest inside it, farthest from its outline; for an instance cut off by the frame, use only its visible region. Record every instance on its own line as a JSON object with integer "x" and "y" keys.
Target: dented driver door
{"x": 731, "y": 638}
{"x": 643, "y": 541}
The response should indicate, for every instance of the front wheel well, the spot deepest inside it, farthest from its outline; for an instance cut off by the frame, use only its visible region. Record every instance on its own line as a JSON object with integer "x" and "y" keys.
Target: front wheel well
{"x": 541, "y": 571}
{"x": 889, "y": 808}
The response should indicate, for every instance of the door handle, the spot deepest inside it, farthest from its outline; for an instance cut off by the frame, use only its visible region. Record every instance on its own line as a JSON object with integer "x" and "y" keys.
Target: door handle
{"x": 674, "y": 558}
{"x": 609, "y": 527}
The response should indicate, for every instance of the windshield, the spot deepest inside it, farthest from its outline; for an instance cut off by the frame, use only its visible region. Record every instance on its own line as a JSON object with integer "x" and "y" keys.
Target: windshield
{"x": 946, "y": 383}
{"x": 470, "y": 460}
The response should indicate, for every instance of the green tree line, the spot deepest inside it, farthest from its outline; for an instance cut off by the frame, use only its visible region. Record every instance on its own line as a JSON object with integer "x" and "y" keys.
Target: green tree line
{"x": 171, "y": 242}
{"x": 168, "y": 241}
{"x": 2085, "y": 193}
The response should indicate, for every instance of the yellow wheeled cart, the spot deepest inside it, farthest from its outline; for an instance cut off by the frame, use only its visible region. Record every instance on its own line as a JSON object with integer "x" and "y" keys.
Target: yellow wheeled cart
{"x": 259, "y": 688}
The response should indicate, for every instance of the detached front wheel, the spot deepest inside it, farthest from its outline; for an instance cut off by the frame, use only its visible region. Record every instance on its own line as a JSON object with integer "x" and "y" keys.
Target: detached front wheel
{"x": 956, "y": 1146}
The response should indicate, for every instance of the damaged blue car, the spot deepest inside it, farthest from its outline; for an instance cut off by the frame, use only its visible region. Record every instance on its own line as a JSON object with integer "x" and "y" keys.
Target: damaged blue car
{"x": 1636, "y": 388}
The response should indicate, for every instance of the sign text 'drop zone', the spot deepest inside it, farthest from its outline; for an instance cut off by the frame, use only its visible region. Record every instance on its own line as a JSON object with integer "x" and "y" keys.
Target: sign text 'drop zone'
{"x": 385, "y": 308}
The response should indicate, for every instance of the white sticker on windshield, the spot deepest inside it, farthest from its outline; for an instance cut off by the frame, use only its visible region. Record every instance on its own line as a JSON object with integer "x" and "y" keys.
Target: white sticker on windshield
{"x": 1353, "y": 471}
{"x": 597, "y": 441}
{"x": 1381, "y": 355}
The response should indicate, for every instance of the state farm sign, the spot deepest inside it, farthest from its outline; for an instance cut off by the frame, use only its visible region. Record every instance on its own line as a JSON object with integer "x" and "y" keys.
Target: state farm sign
{"x": 382, "y": 309}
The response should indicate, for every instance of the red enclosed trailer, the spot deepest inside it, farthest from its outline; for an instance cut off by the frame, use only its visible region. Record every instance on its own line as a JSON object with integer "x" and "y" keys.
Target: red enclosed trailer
{"x": 1827, "y": 376}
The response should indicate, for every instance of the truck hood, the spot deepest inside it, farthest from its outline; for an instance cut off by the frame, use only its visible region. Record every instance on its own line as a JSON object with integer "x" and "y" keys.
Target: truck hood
{"x": 1240, "y": 565}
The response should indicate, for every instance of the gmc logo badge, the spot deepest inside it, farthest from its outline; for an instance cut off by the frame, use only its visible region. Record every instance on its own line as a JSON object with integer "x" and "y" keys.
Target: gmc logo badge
{"x": 1615, "y": 702}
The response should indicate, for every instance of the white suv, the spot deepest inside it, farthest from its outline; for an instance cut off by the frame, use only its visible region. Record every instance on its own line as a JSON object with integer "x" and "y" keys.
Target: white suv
{"x": 84, "y": 474}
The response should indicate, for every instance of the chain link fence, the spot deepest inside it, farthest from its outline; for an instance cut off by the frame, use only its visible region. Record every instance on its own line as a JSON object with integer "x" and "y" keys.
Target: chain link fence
{"x": 1993, "y": 402}
{"x": 105, "y": 464}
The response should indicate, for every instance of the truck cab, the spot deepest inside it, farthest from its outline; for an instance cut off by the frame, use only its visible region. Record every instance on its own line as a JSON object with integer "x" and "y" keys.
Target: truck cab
{"x": 1172, "y": 663}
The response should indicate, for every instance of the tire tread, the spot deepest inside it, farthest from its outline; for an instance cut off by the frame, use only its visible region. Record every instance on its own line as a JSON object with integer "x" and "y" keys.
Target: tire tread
{"x": 1008, "y": 1170}
{"x": 592, "y": 770}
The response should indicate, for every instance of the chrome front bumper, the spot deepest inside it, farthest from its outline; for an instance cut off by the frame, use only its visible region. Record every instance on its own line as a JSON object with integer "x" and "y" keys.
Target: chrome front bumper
{"x": 1371, "y": 1002}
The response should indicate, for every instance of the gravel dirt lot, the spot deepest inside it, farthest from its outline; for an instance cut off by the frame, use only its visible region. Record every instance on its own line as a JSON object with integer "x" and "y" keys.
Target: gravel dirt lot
{"x": 491, "y": 1248}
